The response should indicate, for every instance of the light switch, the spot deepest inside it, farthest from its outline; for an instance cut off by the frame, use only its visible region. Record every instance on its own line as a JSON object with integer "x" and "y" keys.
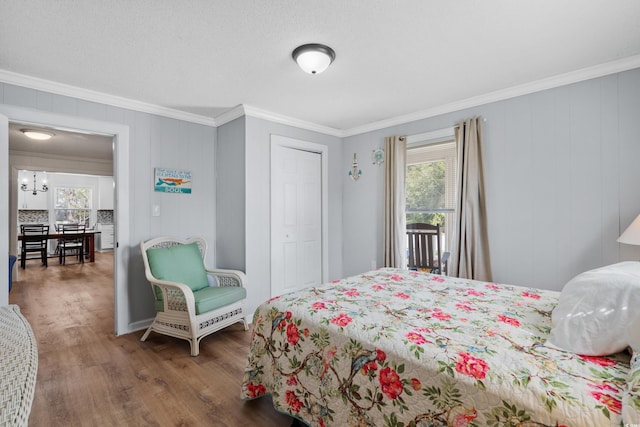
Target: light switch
{"x": 155, "y": 210}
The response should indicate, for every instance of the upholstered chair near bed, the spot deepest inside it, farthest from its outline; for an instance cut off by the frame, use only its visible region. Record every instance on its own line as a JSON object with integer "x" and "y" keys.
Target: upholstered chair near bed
{"x": 191, "y": 300}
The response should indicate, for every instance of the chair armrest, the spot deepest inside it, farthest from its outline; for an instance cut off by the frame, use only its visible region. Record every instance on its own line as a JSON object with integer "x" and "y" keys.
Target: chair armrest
{"x": 228, "y": 277}
{"x": 175, "y": 296}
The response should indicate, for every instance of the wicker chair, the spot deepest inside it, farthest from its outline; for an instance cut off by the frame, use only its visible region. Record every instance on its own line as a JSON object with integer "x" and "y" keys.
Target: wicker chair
{"x": 187, "y": 307}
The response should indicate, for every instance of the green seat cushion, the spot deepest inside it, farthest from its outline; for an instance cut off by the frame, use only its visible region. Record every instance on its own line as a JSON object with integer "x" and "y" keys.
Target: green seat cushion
{"x": 213, "y": 297}
{"x": 180, "y": 263}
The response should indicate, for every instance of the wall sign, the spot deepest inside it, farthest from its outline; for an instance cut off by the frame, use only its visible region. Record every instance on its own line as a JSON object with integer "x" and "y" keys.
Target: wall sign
{"x": 172, "y": 181}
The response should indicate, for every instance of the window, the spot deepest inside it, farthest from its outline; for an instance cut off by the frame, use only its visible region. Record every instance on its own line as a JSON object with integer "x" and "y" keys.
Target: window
{"x": 72, "y": 205}
{"x": 431, "y": 183}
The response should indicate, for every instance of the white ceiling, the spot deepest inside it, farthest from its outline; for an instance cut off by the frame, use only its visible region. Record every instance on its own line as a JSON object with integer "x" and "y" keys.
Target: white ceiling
{"x": 393, "y": 57}
{"x": 65, "y": 144}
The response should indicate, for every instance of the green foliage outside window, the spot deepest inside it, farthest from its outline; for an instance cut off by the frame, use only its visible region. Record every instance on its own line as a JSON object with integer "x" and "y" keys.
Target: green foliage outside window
{"x": 425, "y": 191}
{"x": 73, "y": 205}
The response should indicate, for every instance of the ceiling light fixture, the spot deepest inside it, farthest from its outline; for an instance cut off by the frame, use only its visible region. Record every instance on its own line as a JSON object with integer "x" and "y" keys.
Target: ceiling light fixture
{"x": 40, "y": 135}
{"x": 34, "y": 190}
{"x": 313, "y": 58}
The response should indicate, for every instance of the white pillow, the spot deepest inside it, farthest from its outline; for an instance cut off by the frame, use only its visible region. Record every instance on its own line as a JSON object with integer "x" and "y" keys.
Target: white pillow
{"x": 599, "y": 311}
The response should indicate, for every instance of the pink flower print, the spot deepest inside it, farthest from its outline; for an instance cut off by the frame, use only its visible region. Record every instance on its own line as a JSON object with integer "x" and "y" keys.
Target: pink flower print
{"x": 610, "y": 402}
{"x": 438, "y": 279}
{"x": 492, "y": 286}
{"x": 598, "y": 360}
{"x": 293, "y": 336}
{"x": 292, "y": 400}
{"x": 424, "y": 330}
{"x": 440, "y": 315}
{"x": 464, "y": 306}
{"x": 605, "y": 387}
{"x": 378, "y": 287}
{"x": 416, "y": 338}
{"x": 530, "y": 295}
{"x": 341, "y": 320}
{"x": 508, "y": 320}
{"x": 416, "y": 384}
{"x": 368, "y": 367}
{"x": 395, "y": 277}
{"x": 318, "y": 305}
{"x": 381, "y": 355}
{"x": 402, "y": 295}
{"x": 256, "y": 390}
{"x": 390, "y": 383}
{"x": 471, "y": 366}
{"x": 352, "y": 293}
{"x": 292, "y": 380}
{"x": 474, "y": 292}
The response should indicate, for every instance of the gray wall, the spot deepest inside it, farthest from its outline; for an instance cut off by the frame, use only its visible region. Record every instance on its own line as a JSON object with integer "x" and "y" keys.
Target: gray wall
{"x": 561, "y": 183}
{"x": 230, "y": 191}
{"x": 258, "y": 243}
{"x": 561, "y": 177}
{"x": 154, "y": 142}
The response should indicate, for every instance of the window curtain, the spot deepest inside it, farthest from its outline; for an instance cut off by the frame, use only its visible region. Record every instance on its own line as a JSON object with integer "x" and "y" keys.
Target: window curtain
{"x": 395, "y": 167}
{"x": 470, "y": 246}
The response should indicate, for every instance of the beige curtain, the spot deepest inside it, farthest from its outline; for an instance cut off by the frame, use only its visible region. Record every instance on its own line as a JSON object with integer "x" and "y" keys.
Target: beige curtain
{"x": 470, "y": 246}
{"x": 395, "y": 149}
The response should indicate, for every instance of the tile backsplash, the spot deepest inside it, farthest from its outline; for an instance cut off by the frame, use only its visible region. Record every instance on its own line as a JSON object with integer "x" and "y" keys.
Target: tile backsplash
{"x": 42, "y": 216}
{"x": 33, "y": 217}
{"x": 105, "y": 216}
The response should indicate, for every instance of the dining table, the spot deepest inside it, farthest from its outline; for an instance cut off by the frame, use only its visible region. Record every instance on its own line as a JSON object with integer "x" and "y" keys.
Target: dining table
{"x": 90, "y": 241}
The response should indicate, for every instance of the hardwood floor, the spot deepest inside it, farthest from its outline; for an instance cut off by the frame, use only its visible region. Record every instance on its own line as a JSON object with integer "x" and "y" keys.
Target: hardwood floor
{"x": 89, "y": 377}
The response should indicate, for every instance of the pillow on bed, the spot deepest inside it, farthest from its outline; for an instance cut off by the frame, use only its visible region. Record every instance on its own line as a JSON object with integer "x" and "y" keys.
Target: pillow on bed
{"x": 598, "y": 311}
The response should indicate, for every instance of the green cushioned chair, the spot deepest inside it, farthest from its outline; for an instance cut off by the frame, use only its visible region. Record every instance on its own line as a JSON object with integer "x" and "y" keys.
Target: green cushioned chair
{"x": 188, "y": 304}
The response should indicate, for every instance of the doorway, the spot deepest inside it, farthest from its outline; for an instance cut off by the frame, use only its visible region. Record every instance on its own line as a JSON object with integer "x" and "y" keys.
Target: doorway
{"x": 298, "y": 214}
{"x": 120, "y": 148}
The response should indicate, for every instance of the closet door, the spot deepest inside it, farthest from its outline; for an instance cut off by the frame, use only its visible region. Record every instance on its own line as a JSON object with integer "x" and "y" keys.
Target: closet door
{"x": 296, "y": 218}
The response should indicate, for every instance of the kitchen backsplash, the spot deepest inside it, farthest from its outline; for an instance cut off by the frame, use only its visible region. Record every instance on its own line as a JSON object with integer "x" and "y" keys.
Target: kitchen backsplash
{"x": 33, "y": 217}
{"x": 105, "y": 217}
{"x": 42, "y": 217}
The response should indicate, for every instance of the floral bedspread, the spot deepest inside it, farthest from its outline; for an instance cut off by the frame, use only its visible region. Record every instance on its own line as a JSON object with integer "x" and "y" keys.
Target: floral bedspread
{"x": 403, "y": 348}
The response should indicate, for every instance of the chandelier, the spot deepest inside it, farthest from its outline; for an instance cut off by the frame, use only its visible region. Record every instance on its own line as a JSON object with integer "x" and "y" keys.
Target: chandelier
{"x": 34, "y": 191}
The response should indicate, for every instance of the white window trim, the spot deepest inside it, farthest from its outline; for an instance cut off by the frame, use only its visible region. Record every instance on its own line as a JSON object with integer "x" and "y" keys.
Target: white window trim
{"x": 432, "y": 138}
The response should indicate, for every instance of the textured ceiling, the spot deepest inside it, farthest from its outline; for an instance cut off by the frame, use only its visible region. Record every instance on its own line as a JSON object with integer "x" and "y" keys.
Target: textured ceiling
{"x": 394, "y": 57}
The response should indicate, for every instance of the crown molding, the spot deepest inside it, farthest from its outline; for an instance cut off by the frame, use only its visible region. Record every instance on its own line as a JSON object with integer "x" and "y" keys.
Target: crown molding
{"x": 290, "y": 121}
{"x": 229, "y": 116}
{"x": 600, "y": 70}
{"x": 36, "y": 83}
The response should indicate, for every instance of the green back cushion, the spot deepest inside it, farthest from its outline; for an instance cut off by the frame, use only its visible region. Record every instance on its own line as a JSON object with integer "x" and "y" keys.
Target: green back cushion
{"x": 180, "y": 263}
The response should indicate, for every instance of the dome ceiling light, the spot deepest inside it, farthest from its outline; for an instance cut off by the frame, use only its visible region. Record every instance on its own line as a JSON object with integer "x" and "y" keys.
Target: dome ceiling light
{"x": 39, "y": 135}
{"x": 313, "y": 58}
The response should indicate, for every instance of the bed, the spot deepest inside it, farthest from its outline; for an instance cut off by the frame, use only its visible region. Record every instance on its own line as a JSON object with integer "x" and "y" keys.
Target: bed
{"x": 403, "y": 348}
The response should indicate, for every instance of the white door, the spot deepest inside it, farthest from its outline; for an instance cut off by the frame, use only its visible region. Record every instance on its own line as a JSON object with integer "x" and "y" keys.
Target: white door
{"x": 296, "y": 219}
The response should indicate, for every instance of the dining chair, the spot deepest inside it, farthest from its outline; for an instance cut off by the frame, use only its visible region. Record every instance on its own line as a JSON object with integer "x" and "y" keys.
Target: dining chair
{"x": 72, "y": 240}
{"x": 34, "y": 239}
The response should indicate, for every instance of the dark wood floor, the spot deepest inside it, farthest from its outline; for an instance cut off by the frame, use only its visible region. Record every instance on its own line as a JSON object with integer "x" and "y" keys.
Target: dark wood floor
{"x": 89, "y": 377}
